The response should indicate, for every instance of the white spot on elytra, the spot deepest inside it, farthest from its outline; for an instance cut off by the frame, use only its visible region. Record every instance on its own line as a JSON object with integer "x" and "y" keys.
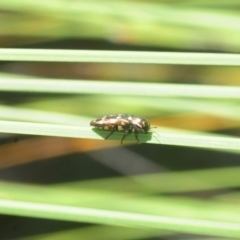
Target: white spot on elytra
{"x": 112, "y": 121}
{"x": 120, "y": 128}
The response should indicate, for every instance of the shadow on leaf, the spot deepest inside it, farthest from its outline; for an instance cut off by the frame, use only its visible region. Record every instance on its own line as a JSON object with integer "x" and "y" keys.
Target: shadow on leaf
{"x": 143, "y": 138}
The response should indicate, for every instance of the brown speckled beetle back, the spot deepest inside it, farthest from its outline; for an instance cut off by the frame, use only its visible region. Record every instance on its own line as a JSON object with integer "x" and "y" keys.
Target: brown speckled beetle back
{"x": 122, "y": 123}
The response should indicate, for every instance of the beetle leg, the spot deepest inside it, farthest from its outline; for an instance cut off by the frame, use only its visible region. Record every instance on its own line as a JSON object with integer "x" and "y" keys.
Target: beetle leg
{"x": 125, "y": 135}
{"x": 136, "y": 136}
{"x": 109, "y": 134}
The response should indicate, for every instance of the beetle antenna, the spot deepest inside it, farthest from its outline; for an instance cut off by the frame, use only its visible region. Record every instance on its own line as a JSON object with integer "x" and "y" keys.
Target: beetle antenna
{"x": 154, "y": 132}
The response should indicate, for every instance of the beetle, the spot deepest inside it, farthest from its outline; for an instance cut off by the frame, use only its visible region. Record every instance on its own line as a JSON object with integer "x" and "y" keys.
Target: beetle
{"x": 122, "y": 123}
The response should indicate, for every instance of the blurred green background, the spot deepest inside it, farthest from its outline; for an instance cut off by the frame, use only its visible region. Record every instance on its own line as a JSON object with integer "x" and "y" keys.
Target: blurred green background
{"x": 154, "y": 179}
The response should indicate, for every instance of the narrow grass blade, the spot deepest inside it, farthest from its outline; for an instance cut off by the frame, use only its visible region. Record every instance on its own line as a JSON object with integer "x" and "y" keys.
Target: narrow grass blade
{"x": 117, "y": 218}
{"x": 181, "y": 138}
{"x": 47, "y": 55}
{"x": 120, "y": 88}
{"x": 114, "y": 209}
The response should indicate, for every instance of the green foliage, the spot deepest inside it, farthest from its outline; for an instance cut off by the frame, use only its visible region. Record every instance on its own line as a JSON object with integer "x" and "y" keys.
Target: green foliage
{"x": 153, "y": 84}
